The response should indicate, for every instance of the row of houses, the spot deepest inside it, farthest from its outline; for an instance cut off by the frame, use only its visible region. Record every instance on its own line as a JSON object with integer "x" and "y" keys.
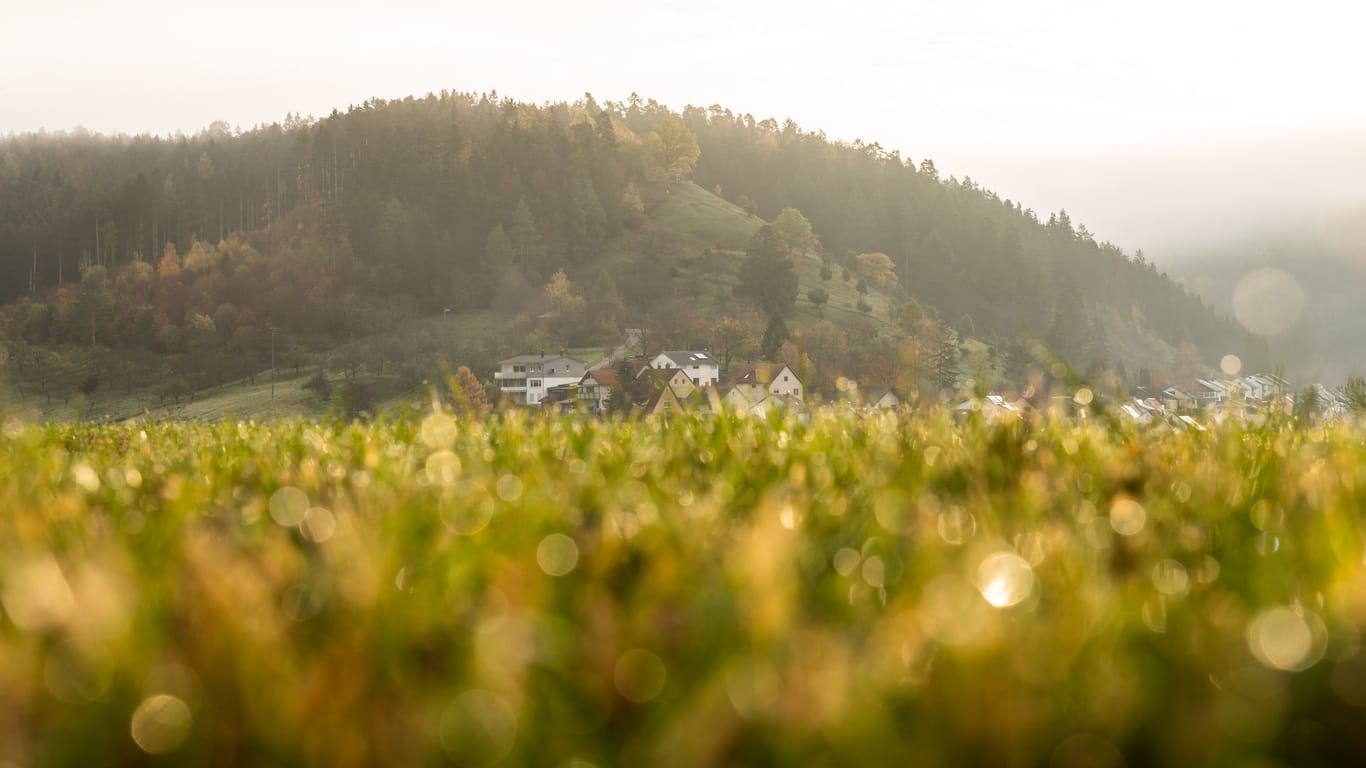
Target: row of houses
{"x": 669, "y": 381}
{"x": 527, "y": 379}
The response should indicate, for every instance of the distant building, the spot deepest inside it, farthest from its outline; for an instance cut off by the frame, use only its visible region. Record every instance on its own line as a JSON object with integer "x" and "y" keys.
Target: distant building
{"x": 760, "y": 380}
{"x": 525, "y": 379}
{"x": 595, "y": 388}
{"x": 703, "y": 369}
{"x": 885, "y": 400}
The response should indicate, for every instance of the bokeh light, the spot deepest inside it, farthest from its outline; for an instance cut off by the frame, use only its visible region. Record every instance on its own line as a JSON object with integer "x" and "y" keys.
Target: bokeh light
{"x": 478, "y": 728}
{"x": 1230, "y": 365}
{"x": 639, "y": 675}
{"x": 1004, "y": 579}
{"x": 160, "y": 724}
{"x": 1268, "y": 301}
{"x": 1127, "y": 516}
{"x": 557, "y": 554}
{"x": 288, "y": 506}
{"x": 1287, "y": 639}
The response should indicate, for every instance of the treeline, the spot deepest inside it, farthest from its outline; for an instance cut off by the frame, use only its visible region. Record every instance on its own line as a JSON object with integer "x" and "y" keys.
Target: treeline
{"x": 458, "y": 201}
{"x": 988, "y": 264}
{"x": 417, "y": 185}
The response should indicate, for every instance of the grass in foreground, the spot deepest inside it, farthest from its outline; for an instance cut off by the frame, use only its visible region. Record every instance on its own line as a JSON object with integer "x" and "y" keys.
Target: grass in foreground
{"x": 697, "y": 592}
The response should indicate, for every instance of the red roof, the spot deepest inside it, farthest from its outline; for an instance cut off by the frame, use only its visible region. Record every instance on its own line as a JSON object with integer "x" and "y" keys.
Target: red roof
{"x": 605, "y": 377}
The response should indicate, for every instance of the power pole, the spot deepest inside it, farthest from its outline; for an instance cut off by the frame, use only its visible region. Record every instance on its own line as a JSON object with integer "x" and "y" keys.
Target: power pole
{"x": 273, "y": 372}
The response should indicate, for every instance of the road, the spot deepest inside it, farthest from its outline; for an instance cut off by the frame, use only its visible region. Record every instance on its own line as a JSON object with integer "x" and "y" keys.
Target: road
{"x": 632, "y": 342}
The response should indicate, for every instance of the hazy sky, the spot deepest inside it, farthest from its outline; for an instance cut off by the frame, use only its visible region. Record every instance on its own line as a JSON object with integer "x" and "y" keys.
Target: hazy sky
{"x": 1099, "y": 107}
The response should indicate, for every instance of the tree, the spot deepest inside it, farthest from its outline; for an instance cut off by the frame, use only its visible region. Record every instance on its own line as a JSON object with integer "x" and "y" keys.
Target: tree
{"x": 560, "y": 296}
{"x": 96, "y": 302}
{"x": 946, "y": 358}
{"x": 795, "y": 231}
{"x": 828, "y": 348}
{"x": 818, "y": 297}
{"x": 467, "y": 394}
{"x": 527, "y": 249}
{"x": 878, "y": 268}
{"x": 732, "y": 336}
{"x": 498, "y": 249}
{"x": 356, "y": 399}
{"x": 672, "y": 148}
{"x": 767, "y": 276}
{"x": 1097, "y": 345}
{"x": 775, "y": 335}
{"x": 1355, "y": 391}
{"x": 169, "y": 266}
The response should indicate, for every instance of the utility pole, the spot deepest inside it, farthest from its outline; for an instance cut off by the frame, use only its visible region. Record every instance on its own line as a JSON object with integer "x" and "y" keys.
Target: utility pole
{"x": 273, "y": 373}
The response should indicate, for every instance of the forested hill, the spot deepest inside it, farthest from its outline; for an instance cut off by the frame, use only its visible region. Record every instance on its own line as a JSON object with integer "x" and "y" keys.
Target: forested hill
{"x": 460, "y": 202}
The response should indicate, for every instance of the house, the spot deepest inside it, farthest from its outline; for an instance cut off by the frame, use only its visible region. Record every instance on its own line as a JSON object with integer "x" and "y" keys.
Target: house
{"x": 1179, "y": 399}
{"x": 703, "y": 369}
{"x": 884, "y": 400}
{"x": 780, "y": 403}
{"x": 994, "y": 408}
{"x": 525, "y": 379}
{"x": 760, "y": 380}
{"x": 595, "y": 388}
{"x": 676, "y": 379}
{"x": 662, "y": 402}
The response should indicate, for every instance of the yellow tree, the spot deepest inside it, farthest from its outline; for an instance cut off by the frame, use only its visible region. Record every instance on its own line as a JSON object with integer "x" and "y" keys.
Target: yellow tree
{"x": 878, "y": 268}
{"x": 673, "y": 148}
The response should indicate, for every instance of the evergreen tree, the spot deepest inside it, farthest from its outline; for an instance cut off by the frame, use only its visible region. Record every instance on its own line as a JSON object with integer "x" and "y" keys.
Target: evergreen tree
{"x": 767, "y": 276}
{"x": 528, "y": 252}
{"x": 775, "y": 335}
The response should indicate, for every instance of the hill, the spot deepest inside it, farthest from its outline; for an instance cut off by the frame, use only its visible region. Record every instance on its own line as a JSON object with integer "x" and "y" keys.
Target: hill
{"x": 174, "y": 262}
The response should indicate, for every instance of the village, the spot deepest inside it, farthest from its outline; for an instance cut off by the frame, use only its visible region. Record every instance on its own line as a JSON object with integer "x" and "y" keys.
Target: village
{"x": 691, "y": 380}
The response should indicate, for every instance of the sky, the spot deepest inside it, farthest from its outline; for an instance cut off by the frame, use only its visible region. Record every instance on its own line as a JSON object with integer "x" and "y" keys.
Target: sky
{"x": 1159, "y": 124}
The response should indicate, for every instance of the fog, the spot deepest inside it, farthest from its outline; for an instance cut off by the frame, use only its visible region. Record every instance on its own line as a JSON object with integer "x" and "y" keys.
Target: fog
{"x": 1214, "y": 199}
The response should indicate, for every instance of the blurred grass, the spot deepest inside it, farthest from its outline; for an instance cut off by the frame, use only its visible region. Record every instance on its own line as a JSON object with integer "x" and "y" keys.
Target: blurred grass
{"x": 853, "y": 590}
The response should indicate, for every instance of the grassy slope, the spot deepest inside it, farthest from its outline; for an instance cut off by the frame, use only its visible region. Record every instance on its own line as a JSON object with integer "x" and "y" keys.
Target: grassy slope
{"x": 703, "y": 220}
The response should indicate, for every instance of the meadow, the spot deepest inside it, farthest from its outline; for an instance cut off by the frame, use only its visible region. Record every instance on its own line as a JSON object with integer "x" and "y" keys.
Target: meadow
{"x": 855, "y": 590}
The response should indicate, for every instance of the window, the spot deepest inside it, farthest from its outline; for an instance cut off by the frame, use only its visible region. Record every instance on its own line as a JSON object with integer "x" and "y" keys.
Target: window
{"x": 784, "y": 378}
{"x": 697, "y": 382}
{"x": 533, "y": 382}
{"x": 519, "y": 369}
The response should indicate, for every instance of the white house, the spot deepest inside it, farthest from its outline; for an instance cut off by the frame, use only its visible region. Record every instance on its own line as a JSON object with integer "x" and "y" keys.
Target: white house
{"x": 701, "y": 367}
{"x": 885, "y": 400}
{"x": 762, "y": 379}
{"x": 525, "y": 379}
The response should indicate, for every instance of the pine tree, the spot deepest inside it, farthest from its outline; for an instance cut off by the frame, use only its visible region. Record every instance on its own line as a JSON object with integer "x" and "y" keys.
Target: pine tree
{"x": 528, "y": 251}
{"x": 774, "y": 336}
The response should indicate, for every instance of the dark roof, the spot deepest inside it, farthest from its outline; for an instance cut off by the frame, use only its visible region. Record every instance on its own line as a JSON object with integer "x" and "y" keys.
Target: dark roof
{"x": 758, "y": 373}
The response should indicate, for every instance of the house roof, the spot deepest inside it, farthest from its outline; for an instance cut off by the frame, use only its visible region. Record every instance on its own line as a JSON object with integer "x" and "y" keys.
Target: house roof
{"x": 538, "y": 359}
{"x": 603, "y": 377}
{"x": 760, "y": 373}
{"x": 686, "y": 358}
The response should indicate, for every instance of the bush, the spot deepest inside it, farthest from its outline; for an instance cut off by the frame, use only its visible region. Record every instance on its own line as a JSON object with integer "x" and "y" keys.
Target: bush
{"x": 319, "y": 385}
{"x": 356, "y": 399}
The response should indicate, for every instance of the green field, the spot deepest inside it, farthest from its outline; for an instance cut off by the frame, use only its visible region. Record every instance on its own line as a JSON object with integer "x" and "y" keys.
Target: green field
{"x": 857, "y": 590}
